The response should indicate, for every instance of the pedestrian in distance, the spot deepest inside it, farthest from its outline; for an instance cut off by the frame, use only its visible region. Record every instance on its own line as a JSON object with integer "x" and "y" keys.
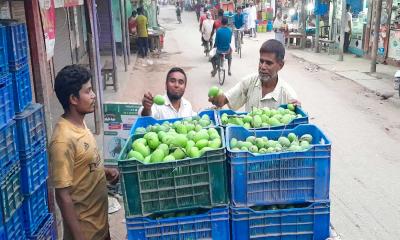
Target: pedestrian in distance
{"x": 347, "y": 29}
{"x": 77, "y": 171}
{"x": 175, "y": 105}
{"x": 262, "y": 89}
{"x": 143, "y": 36}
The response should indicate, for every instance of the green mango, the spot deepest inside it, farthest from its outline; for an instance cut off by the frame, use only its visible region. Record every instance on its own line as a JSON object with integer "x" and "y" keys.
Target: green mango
{"x": 189, "y": 145}
{"x": 202, "y": 144}
{"x": 285, "y": 142}
{"x": 253, "y": 149}
{"x": 157, "y": 156}
{"x": 246, "y": 144}
{"x": 251, "y": 139}
{"x": 274, "y": 122}
{"x": 159, "y": 100}
{"x": 291, "y": 107}
{"x": 194, "y": 152}
{"x": 164, "y": 147}
{"x": 140, "y": 130}
{"x": 147, "y": 159}
{"x": 202, "y": 134}
{"x": 244, "y": 148}
{"x": 135, "y": 155}
{"x": 180, "y": 140}
{"x": 169, "y": 158}
{"x": 215, "y": 144}
{"x": 262, "y": 151}
{"x": 257, "y": 121}
{"x": 292, "y": 137}
{"x": 233, "y": 143}
{"x": 247, "y": 125}
{"x": 213, "y": 91}
{"x": 153, "y": 143}
{"x": 198, "y": 128}
{"x": 247, "y": 119}
{"x": 305, "y": 145}
{"x": 213, "y": 133}
{"x": 181, "y": 129}
{"x": 204, "y": 150}
{"x": 204, "y": 122}
{"x": 179, "y": 154}
{"x": 306, "y": 137}
{"x": 142, "y": 149}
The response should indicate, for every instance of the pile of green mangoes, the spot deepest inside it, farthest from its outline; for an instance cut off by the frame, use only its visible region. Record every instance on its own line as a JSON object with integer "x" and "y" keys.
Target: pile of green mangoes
{"x": 182, "y": 127}
{"x": 262, "y": 117}
{"x": 263, "y": 145}
{"x": 174, "y": 143}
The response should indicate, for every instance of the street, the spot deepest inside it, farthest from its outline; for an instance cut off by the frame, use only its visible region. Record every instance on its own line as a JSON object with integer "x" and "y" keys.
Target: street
{"x": 364, "y": 130}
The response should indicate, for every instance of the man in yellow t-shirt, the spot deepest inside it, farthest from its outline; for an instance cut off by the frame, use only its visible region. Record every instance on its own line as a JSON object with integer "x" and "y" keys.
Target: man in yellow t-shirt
{"x": 77, "y": 171}
{"x": 143, "y": 37}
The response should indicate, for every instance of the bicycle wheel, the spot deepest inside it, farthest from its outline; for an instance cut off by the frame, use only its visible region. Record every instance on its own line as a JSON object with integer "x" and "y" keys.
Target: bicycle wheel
{"x": 221, "y": 76}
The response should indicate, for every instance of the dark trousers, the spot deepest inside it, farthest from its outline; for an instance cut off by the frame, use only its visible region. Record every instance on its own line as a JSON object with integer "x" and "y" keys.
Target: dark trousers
{"x": 143, "y": 46}
{"x": 346, "y": 42}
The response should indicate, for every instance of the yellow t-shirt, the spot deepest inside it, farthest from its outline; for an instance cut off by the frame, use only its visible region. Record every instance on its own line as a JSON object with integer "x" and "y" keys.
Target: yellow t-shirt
{"x": 141, "y": 27}
{"x": 75, "y": 162}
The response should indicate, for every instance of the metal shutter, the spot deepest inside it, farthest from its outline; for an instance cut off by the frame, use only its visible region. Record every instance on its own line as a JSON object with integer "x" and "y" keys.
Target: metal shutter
{"x": 62, "y": 48}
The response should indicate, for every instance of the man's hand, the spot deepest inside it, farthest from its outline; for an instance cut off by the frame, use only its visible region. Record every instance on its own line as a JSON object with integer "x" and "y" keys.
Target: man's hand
{"x": 295, "y": 102}
{"x": 112, "y": 175}
{"x": 219, "y": 101}
{"x": 147, "y": 103}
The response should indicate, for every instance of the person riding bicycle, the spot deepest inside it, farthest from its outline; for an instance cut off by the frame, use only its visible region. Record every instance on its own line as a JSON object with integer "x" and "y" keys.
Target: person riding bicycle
{"x": 206, "y": 31}
{"x": 238, "y": 22}
{"x": 223, "y": 40}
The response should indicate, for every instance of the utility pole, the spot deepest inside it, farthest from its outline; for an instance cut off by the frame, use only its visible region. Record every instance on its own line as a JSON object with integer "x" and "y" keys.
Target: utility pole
{"x": 377, "y": 24}
{"x": 303, "y": 23}
{"x": 317, "y": 32}
{"x": 342, "y": 28}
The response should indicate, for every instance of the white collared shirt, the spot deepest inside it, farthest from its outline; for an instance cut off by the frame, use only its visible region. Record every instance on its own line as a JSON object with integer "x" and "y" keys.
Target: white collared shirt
{"x": 249, "y": 93}
{"x": 168, "y": 111}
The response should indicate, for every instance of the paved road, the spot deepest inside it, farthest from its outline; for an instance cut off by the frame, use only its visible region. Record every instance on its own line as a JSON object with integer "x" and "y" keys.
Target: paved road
{"x": 365, "y": 131}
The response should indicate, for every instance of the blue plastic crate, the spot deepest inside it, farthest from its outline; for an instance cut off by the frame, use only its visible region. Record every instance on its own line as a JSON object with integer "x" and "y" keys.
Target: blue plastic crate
{"x": 31, "y": 129}
{"x": 8, "y": 148}
{"x": 3, "y": 50}
{"x": 147, "y": 121}
{"x": 11, "y": 194}
{"x": 213, "y": 224}
{"x": 294, "y": 123}
{"x": 35, "y": 209}
{"x": 306, "y": 223}
{"x": 287, "y": 177}
{"x": 7, "y": 111}
{"x": 2, "y": 233}
{"x": 22, "y": 90}
{"x": 14, "y": 227}
{"x": 34, "y": 171}
{"x": 46, "y": 230}
{"x": 17, "y": 42}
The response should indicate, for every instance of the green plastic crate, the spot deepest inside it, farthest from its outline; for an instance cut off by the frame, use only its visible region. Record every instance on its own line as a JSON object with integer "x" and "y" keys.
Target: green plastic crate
{"x": 176, "y": 185}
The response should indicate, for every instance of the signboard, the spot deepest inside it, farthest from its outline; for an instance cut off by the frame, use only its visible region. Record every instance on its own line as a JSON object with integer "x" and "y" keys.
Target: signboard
{"x": 394, "y": 45}
{"x": 118, "y": 120}
{"x": 47, "y": 11}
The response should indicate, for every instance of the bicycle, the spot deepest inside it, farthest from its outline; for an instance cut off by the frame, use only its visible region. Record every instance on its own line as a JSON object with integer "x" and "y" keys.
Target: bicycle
{"x": 221, "y": 68}
{"x": 207, "y": 47}
{"x": 238, "y": 40}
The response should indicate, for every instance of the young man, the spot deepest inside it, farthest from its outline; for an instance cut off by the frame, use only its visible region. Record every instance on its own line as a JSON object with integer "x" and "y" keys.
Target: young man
{"x": 77, "y": 171}
{"x": 238, "y": 22}
{"x": 143, "y": 37}
{"x": 348, "y": 28}
{"x": 206, "y": 31}
{"x": 263, "y": 89}
{"x": 175, "y": 105}
{"x": 223, "y": 40}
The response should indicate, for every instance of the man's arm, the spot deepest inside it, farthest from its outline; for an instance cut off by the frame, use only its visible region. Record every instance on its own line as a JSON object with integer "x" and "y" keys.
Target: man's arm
{"x": 70, "y": 218}
{"x": 147, "y": 103}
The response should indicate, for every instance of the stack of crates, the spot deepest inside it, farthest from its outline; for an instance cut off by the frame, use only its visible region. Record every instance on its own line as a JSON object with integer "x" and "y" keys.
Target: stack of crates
{"x": 280, "y": 195}
{"x": 11, "y": 198}
{"x": 185, "y": 199}
{"x": 23, "y": 156}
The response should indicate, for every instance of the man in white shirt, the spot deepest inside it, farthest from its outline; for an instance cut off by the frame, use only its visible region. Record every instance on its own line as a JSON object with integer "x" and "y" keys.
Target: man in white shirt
{"x": 175, "y": 105}
{"x": 263, "y": 89}
{"x": 348, "y": 28}
{"x": 206, "y": 30}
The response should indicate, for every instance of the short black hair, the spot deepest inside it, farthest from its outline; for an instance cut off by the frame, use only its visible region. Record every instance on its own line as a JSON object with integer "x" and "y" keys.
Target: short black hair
{"x": 176, "y": 69}
{"x": 69, "y": 81}
{"x": 224, "y": 21}
{"x": 348, "y": 6}
{"x": 273, "y": 46}
{"x": 139, "y": 10}
{"x": 134, "y": 13}
{"x": 220, "y": 13}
